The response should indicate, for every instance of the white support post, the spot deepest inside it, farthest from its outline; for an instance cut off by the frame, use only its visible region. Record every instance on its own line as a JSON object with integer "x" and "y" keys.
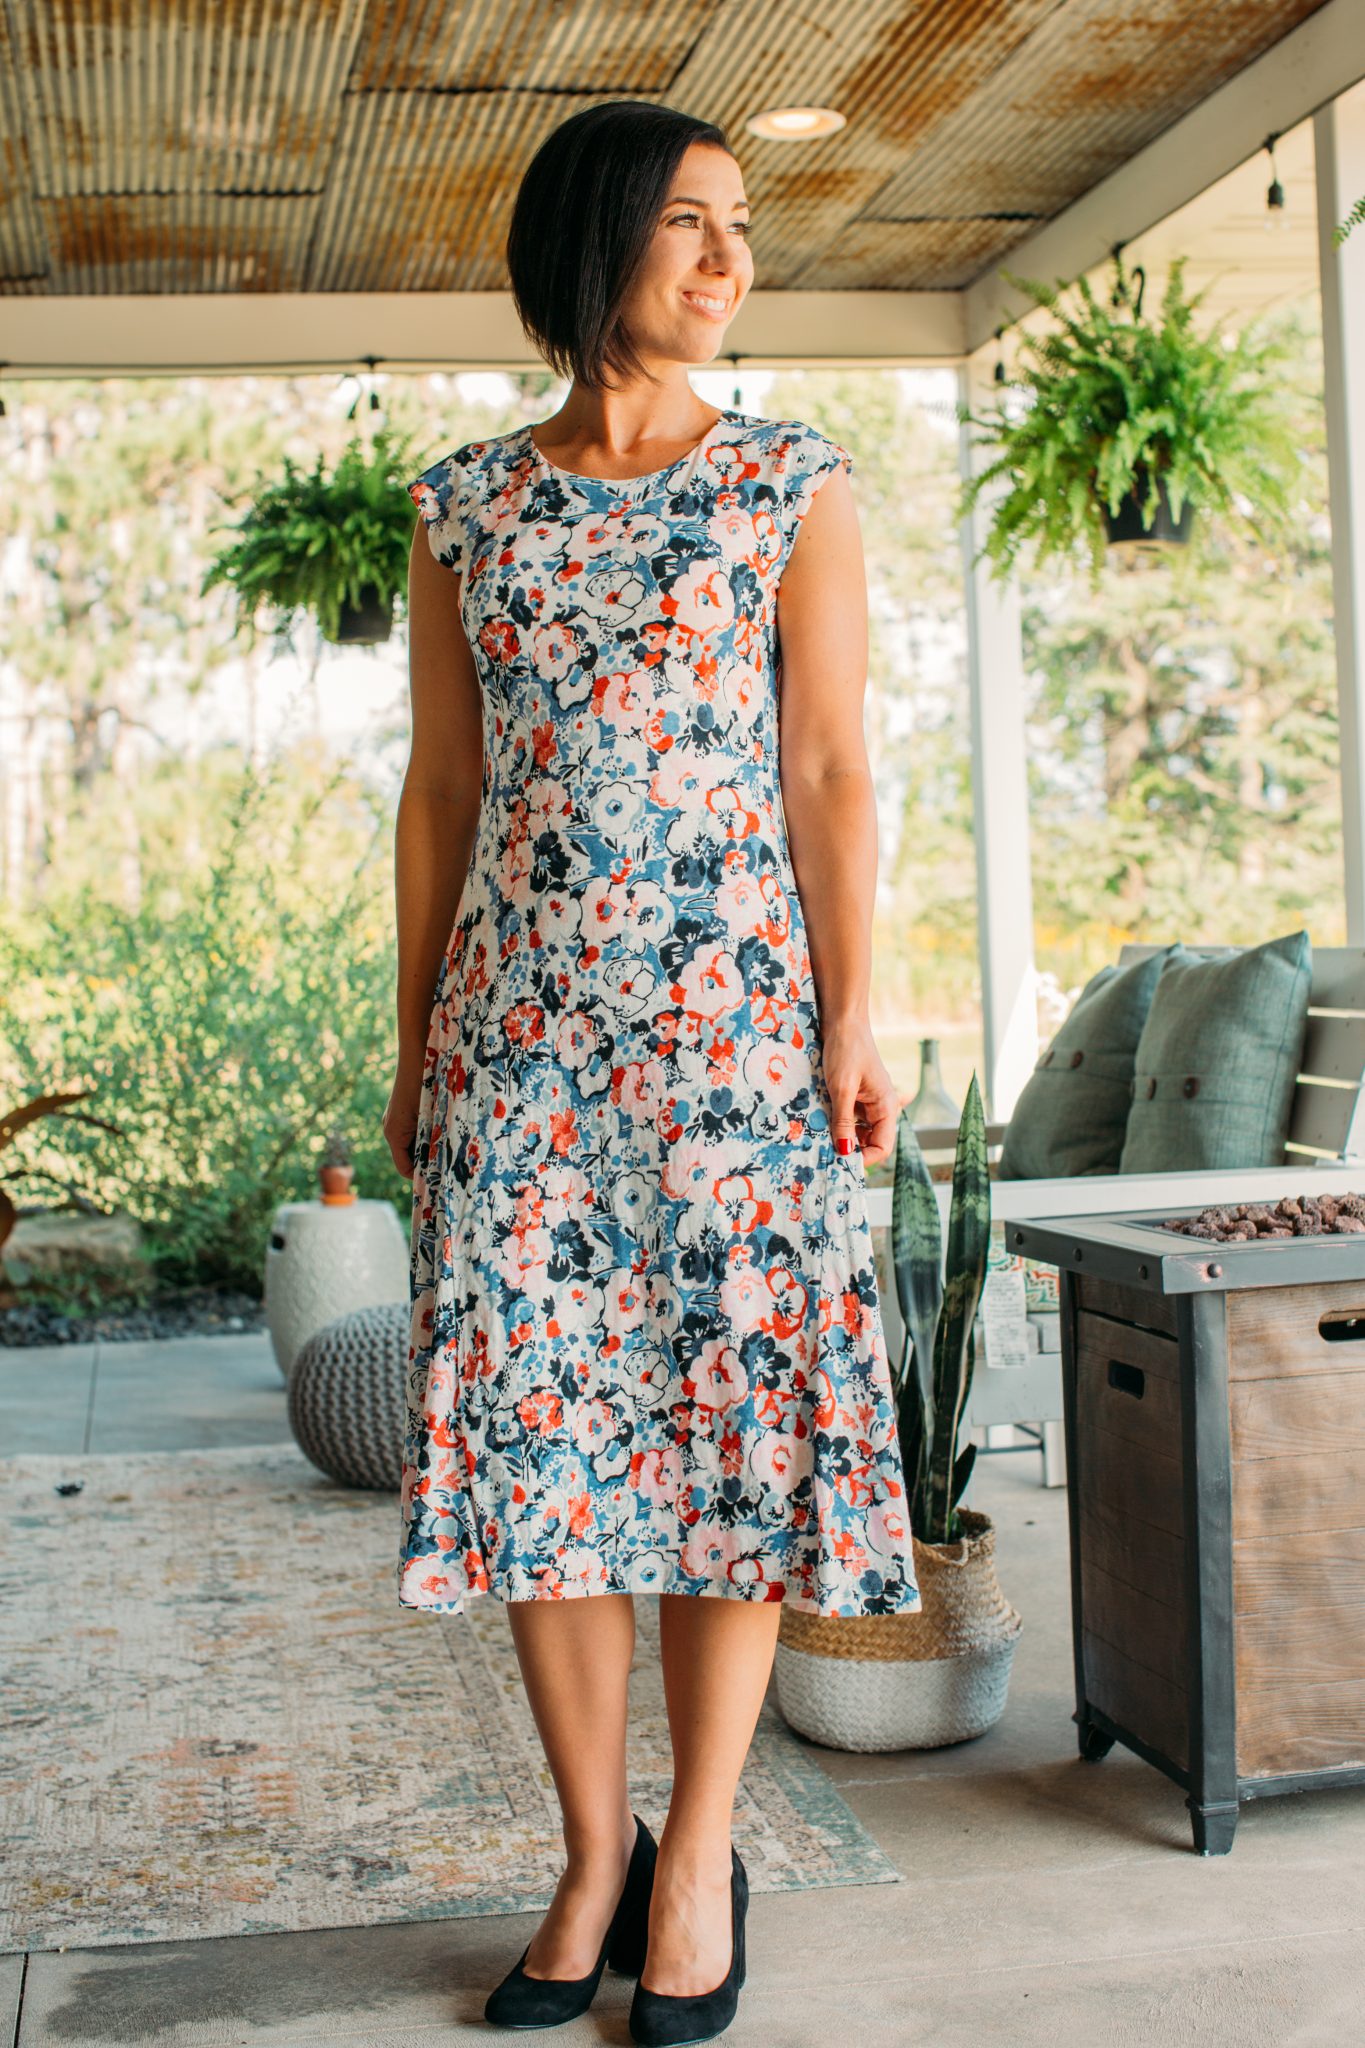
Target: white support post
{"x": 1004, "y": 884}
{"x": 1339, "y": 150}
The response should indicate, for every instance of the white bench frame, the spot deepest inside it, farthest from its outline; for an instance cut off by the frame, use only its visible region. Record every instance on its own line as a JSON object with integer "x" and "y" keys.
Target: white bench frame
{"x": 1325, "y": 1151}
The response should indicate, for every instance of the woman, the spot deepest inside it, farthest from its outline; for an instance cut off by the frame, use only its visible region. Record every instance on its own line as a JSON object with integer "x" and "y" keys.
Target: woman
{"x": 646, "y": 1354}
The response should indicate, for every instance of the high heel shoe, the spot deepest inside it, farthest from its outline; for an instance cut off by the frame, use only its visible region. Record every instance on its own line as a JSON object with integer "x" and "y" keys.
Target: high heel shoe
{"x": 658, "y": 2021}
{"x": 522, "y": 2001}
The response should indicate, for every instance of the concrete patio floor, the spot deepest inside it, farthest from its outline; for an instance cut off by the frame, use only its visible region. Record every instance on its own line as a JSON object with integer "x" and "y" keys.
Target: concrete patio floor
{"x": 1046, "y": 1901}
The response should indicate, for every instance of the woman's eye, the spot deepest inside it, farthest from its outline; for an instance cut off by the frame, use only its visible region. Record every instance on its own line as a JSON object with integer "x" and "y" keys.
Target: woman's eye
{"x": 678, "y": 218}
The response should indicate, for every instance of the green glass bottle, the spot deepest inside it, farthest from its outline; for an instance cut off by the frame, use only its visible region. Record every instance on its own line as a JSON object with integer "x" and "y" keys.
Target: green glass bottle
{"x": 931, "y": 1103}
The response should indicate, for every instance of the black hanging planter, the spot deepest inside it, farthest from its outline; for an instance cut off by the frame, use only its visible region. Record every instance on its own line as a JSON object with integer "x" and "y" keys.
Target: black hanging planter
{"x": 1126, "y": 523}
{"x": 365, "y": 624}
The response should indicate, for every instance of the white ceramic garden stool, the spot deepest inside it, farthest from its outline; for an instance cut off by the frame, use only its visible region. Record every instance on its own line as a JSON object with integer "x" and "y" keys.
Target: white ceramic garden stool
{"x": 323, "y": 1260}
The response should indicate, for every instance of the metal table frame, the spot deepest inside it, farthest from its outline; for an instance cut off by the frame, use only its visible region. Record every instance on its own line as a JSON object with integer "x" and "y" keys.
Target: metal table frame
{"x": 1134, "y": 1253}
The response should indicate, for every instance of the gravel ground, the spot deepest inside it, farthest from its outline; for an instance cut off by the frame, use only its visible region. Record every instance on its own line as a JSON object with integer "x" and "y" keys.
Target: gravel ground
{"x": 199, "y": 1312}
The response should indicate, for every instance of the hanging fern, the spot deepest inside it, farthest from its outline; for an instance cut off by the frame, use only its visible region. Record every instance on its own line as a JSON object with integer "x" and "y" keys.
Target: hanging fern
{"x": 313, "y": 542}
{"x": 1112, "y": 402}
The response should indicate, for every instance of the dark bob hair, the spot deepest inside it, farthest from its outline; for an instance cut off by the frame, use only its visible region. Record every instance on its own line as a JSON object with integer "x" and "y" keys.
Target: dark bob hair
{"x": 584, "y": 216}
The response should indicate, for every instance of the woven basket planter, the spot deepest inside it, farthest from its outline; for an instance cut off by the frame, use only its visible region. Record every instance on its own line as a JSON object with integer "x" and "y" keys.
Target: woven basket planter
{"x": 906, "y": 1681}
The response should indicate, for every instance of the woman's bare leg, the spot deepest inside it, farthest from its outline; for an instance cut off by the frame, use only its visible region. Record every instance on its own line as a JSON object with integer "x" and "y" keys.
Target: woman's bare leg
{"x": 717, "y": 1656}
{"x": 575, "y": 1658}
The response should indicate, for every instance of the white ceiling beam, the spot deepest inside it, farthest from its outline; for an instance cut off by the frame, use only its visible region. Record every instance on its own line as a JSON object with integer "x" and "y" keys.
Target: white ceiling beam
{"x": 279, "y": 332}
{"x": 1305, "y": 70}
{"x": 208, "y": 333}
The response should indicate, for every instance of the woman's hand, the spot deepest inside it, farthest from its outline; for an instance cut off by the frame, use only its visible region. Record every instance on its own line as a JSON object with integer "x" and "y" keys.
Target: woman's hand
{"x": 399, "y": 1121}
{"x": 862, "y": 1095}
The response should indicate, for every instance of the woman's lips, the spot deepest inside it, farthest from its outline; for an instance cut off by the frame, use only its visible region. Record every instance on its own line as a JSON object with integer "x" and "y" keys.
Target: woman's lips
{"x": 709, "y": 312}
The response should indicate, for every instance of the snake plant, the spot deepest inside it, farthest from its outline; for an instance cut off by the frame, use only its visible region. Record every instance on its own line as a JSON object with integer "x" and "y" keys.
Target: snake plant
{"x": 934, "y": 1374}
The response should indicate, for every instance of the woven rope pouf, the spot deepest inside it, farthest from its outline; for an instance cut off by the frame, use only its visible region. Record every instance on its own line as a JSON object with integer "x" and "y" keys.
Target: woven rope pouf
{"x": 878, "y": 1682}
{"x": 347, "y": 1397}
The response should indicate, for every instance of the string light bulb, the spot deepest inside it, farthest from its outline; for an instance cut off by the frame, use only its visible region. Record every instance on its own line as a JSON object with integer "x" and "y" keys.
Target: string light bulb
{"x": 1275, "y": 210}
{"x": 376, "y": 404}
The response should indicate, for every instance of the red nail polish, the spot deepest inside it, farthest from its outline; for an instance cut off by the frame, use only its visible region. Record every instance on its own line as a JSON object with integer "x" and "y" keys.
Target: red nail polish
{"x": 843, "y": 1144}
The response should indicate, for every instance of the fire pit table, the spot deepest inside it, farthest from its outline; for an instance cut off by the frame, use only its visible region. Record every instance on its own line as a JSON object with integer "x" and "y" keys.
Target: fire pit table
{"x": 1214, "y": 1410}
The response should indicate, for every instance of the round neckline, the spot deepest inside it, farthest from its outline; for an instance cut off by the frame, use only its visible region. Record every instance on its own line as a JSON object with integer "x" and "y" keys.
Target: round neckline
{"x": 614, "y": 483}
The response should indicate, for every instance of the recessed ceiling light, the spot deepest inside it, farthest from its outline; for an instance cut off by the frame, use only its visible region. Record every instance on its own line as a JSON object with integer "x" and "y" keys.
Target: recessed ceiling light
{"x": 795, "y": 124}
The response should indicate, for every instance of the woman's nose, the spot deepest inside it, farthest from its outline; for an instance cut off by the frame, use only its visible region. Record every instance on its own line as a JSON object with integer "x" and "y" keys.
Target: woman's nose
{"x": 722, "y": 261}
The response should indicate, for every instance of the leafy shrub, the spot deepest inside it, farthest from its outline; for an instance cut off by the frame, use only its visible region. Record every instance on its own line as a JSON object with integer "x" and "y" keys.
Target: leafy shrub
{"x": 224, "y": 1026}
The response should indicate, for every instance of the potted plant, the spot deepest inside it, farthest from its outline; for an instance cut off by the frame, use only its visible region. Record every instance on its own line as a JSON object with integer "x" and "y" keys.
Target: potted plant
{"x": 1117, "y": 428}
{"x": 334, "y": 546}
{"x": 336, "y": 1171}
{"x": 917, "y": 1681}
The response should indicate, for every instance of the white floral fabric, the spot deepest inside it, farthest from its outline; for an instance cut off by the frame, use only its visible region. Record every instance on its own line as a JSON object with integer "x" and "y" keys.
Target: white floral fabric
{"x": 646, "y": 1351}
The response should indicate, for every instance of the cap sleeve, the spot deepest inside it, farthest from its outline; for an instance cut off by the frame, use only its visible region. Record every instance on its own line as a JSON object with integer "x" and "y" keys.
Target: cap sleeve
{"x": 811, "y": 457}
{"x": 435, "y": 493}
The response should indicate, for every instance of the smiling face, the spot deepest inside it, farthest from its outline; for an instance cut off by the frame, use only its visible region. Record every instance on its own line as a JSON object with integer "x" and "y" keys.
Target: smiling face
{"x": 699, "y": 267}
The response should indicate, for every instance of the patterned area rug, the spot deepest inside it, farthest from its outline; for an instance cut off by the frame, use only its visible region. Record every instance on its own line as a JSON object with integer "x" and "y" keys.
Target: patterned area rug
{"x": 220, "y": 1721}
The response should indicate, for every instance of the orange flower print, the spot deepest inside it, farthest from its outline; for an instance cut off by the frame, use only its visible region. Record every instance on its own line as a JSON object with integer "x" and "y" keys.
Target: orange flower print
{"x": 540, "y": 1412}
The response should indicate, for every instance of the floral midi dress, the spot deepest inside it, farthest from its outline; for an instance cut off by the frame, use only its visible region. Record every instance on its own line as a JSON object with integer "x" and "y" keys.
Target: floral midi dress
{"x": 646, "y": 1352}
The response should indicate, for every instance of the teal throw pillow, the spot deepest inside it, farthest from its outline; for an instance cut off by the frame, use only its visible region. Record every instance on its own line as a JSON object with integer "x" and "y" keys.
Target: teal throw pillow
{"x": 1073, "y": 1112}
{"x": 1214, "y": 1077}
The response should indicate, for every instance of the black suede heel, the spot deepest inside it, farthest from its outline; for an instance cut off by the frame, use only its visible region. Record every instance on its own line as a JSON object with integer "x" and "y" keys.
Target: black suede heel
{"x": 658, "y": 2021}
{"x": 522, "y": 2001}
{"x": 628, "y": 1937}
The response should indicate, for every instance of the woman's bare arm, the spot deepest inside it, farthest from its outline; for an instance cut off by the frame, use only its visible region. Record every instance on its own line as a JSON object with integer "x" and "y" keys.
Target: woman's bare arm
{"x": 829, "y": 802}
{"x": 438, "y": 813}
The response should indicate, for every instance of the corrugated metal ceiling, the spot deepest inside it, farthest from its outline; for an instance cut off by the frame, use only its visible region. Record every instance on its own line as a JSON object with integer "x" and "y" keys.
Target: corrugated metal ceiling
{"x": 375, "y": 145}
